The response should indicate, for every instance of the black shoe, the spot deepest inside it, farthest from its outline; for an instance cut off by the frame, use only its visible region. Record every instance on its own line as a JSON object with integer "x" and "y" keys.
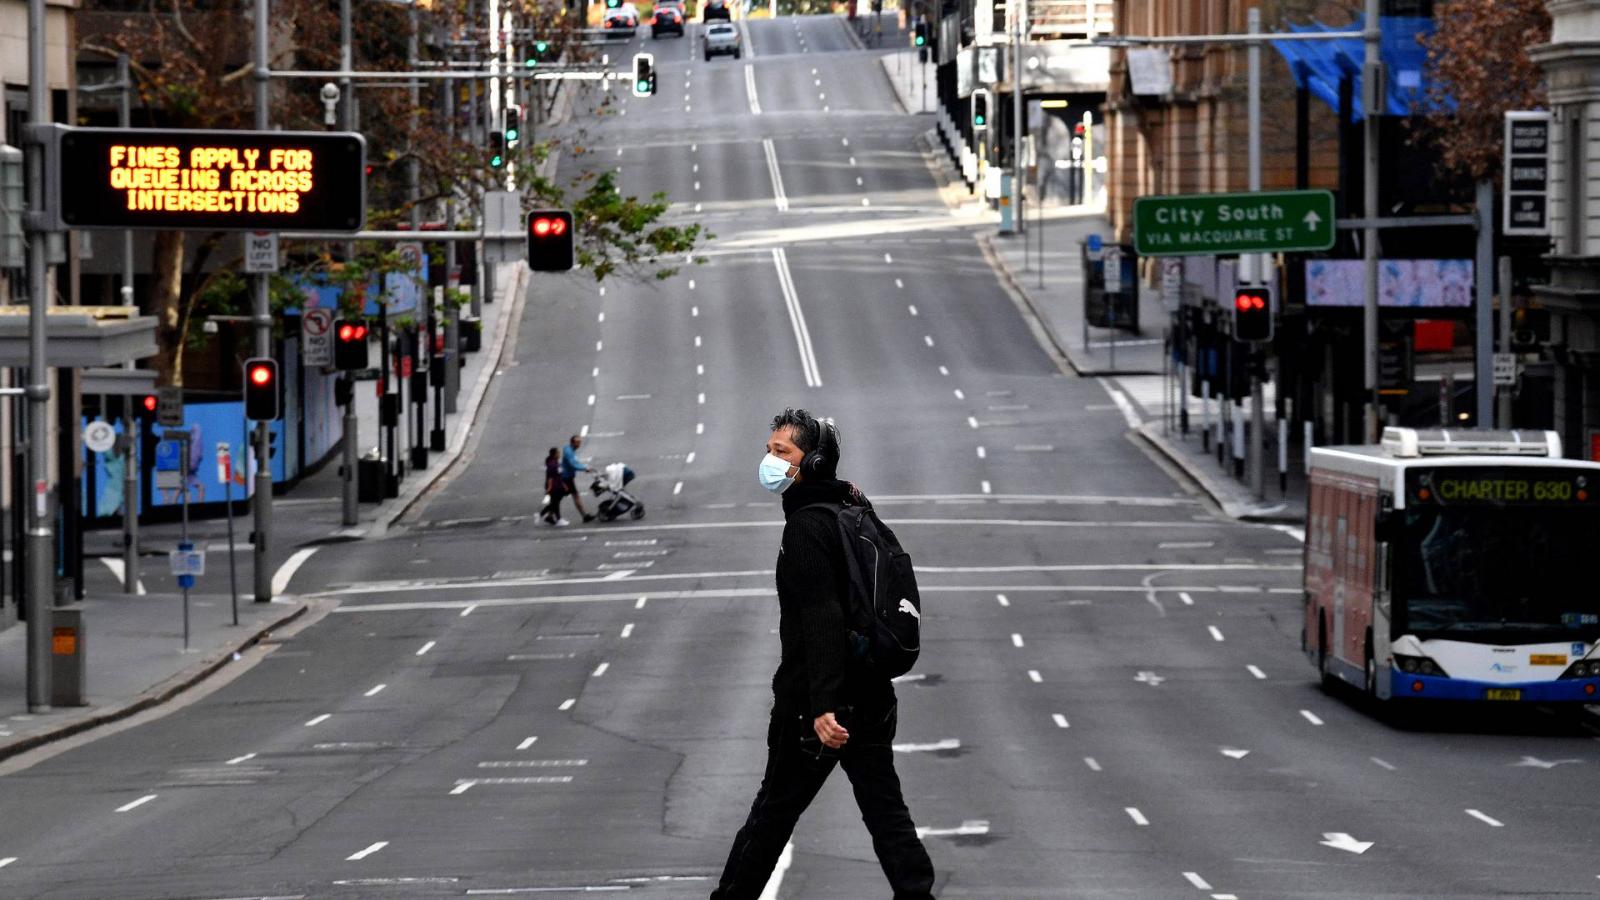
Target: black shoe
{"x": 588, "y": 517}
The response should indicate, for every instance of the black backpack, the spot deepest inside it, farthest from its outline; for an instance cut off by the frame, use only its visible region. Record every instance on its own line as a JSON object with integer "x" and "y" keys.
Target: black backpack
{"x": 883, "y": 610}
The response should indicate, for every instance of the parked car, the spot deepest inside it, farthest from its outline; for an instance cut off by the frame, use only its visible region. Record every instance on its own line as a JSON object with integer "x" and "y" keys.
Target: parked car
{"x": 667, "y": 20}
{"x": 622, "y": 22}
{"x": 722, "y": 38}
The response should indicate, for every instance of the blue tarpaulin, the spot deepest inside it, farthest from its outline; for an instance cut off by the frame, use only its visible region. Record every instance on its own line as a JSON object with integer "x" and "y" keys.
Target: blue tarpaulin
{"x": 1319, "y": 66}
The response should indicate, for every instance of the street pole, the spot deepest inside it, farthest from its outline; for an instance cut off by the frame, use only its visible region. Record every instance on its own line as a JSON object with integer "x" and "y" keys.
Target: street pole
{"x": 130, "y": 456}
{"x": 1018, "y": 24}
{"x": 1483, "y": 314}
{"x": 261, "y": 315}
{"x": 1372, "y": 79}
{"x": 452, "y": 312}
{"x": 1258, "y": 268}
{"x": 41, "y": 538}
{"x": 1504, "y": 419}
{"x": 424, "y": 329}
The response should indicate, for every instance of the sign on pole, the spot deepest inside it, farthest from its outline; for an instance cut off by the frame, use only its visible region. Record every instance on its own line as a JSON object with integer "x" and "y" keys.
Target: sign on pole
{"x": 1261, "y": 222}
{"x": 169, "y": 407}
{"x": 1505, "y": 369}
{"x": 316, "y": 337}
{"x": 99, "y": 436}
{"x": 261, "y": 252}
{"x": 195, "y": 179}
{"x": 1112, "y": 266}
{"x": 1526, "y": 185}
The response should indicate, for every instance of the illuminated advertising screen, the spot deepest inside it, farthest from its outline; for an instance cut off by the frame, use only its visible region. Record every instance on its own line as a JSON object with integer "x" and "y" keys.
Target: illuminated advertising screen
{"x": 210, "y": 180}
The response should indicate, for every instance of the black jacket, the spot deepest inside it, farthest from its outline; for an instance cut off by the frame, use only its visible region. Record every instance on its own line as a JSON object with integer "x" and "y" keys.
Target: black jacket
{"x": 816, "y": 673}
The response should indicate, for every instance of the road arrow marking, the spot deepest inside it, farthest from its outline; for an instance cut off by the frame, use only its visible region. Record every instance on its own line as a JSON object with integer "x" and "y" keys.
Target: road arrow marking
{"x": 1534, "y": 762}
{"x": 1338, "y": 840}
{"x": 1312, "y": 220}
{"x": 969, "y": 827}
{"x": 1231, "y": 753}
{"x": 1149, "y": 678}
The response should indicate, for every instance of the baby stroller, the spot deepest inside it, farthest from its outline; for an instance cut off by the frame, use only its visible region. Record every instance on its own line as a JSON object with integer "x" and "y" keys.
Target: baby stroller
{"x": 615, "y": 501}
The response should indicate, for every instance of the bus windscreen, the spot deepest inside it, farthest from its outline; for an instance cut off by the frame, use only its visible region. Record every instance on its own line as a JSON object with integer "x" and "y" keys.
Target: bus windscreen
{"x": 1497, "y": 555}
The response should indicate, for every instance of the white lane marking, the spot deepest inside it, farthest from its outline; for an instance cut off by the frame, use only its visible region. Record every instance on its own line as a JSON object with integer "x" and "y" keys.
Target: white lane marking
{"x": 1485, "y": 819}
{"x": 1197, "y": 881}
{"x": 7, "y": 861}
{"x": 702, "y": 398}
{"x": 677, "y": 489}
{"x": 1298, "y": 534}
{"x": 462, "y": 787}
{"x": 960, "y": 395}
{"x": 1092, "y": 763}
{"x": 527, "y": 742}
{"x": 1234, "y": 753}
{"x": 1216, "y": 633}
{"x": 797, "y": 318}
{"x": 1185, "y": 545}
{"x": 1339, "y": 840}
{"x": 972, "y": 421}
{"x": 693, "y": 310}
{"x": 363, "y": 854}
{"x": 633, "y": 396}
{"x": 912, "y": 308}
{"x": 982, "y": 453}
{"x": 853, "y": 162}
{"x": 987, "y": 489}
{"x": 627, "y": 630}
{"x": 775, "y": 880}
{"x": 1381, "y": 764}
{"x": 1134, "y": 814}
{"x": 689, "y": 459}
{"x": 467, "y": 612}
{"x": 1256, "y": 671}
{"x": 946, "y": 744}
{"x": 778, "y": 196}
{"x": 899, "y": 284}
{"x": 750, "y": 89}
{"x": 904, "y": 678}
{"x": 928, "y": 339}
{"x": 886, "y": 257}
{"x": 1035, "y": 677}
{"x": 697, "y": 340}
{"x": 1310, "y": 717}
{"x": 697, "y": 185}
{"x": 700, "y": 428}
{"x": 601, "y": 669}
{"x": 1149, "y": 678}
{"x": 137, "y": 803}
{"x": 591, "y": 399}
{"x": 640, "y": 604}
{"x": 1001, "y": 598}
{"x": 602, "y": 316}
{"x": 700, "y": 368}
{"x": 318, "y": 720}
{"x": 239, "y": 759}
{"x": 567, "y": 704}
{"x": 1016, "y": 639}
{"x": 595, "y": 373}
{"x": 375, "y": 691}
{"x": 1060, "y": 720}
{"x": 426, "y": 647}
{"x": 280, "y": 578}
{"x": 1187, "y": 600}
{"x": 968, "y": 828}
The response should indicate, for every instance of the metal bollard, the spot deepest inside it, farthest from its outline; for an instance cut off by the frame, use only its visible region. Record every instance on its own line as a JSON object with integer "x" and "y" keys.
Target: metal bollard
{"x": 68, "y": 657}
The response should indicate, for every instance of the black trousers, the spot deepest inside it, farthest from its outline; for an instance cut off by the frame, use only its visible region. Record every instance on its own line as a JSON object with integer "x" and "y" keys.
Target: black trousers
{"x": 797, "y": 765}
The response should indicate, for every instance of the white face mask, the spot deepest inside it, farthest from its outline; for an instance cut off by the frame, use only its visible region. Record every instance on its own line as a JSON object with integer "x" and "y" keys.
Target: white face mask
{"x": 774, "y": 473}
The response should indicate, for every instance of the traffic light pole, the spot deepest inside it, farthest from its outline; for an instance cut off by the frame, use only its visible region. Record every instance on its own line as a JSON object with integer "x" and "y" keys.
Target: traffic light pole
{"x": 261, "y": 315}
{"x": 1258, "y": 425}
{"x": 41, "y": 537}
{"x": 130, "y": 456}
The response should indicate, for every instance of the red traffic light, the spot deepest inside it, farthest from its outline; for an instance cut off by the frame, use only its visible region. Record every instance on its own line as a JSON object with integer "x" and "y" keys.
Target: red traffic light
{"x": 260, "y": 375}
{"x": 150, "y": 402}
{"x": 543, "y": 227}
{"x": 1249, "y": 302}
{"x": 351, "y": 331}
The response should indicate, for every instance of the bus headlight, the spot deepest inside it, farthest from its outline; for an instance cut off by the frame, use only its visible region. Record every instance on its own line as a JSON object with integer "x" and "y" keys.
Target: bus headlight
{"x": 1419, "y": 665}
{"x": 1583, "y": 669}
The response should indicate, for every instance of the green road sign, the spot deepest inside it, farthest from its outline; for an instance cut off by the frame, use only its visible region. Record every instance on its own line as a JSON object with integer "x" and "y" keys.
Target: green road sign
{"x": 1262, "y": 222}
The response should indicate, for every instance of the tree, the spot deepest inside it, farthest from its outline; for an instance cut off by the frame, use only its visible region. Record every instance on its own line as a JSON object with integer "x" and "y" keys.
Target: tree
{"x": 1478, "y": 68}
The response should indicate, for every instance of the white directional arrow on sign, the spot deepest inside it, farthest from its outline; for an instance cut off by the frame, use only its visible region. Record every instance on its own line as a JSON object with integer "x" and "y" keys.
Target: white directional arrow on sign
{"x": 1338, "y": 840}
{"x": 1534, "y": 762}
{"x": 1312, "y": 220}
{"x": 1231, "y": 753}
{"x": 1149, "y": 678}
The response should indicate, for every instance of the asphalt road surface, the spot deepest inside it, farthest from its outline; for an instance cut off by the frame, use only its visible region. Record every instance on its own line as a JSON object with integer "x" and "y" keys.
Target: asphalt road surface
{"x": 1111, "y": 702}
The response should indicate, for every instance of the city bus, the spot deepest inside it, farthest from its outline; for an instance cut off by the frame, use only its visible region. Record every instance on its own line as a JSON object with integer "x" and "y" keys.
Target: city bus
{"x": 1454, "y": 565}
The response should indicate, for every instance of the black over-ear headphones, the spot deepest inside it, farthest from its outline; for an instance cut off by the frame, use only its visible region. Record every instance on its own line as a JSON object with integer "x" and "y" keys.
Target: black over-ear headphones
{"x": 824, "y": 460}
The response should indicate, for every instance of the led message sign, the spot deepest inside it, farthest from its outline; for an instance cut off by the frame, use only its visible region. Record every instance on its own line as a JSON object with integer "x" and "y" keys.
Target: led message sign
{"x": 203, "y": 180}
{"x": 1501, "y": 487}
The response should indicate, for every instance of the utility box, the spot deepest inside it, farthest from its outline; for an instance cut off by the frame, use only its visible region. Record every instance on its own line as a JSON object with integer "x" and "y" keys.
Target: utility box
{"x": 68, "y": 657}
{"x": 1111, "y": 299}
{"x": 370, "y": 479}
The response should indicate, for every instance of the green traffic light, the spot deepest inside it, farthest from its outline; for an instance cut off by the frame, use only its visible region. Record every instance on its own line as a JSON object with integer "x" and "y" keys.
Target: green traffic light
{"x": 979, "y": 120}
{"x": 921, "y": 40}
{"x": 530, "y": 62}
{"x": 541, "y": 46}
{"x": 511, "y": 134}
{"x": 644, "y": 86}
{"x": 496, "y": 161}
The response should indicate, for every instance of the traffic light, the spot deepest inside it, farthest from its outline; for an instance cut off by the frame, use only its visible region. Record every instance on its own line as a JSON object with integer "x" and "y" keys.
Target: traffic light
{"x": 349, "y": 345}
{"x": 919, "y": 38}
{"x": 550, "y": 240}
{"x": 613, "y": 4}
{"x": 980, "y": 109}
{"x": 261, "y": 389}
{"x": 513, "y": 125}
{"x": 644, "y": 74}
{"x": 1252, "y": 314}
{"x": 537, "y": 53}
{"x": 497, "y": 149}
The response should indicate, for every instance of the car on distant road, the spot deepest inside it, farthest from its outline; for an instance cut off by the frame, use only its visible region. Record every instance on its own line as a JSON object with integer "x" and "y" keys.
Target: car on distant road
{"x": 622, "y": 22}
{"x": 717, "y": 9}
{"x": 722, "y": 38}
{"x": 667, "y": 20}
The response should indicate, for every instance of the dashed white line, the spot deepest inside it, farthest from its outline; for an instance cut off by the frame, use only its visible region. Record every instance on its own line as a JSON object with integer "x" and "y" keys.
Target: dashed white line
{"x": 1035, "y": 677}
{"x": 985, "y": 487}
{"x": 1216, "y": 633}
{"x": 1002, "y": 600}
{"x": 1016, "y": 639}
{"x": 363, "y": 854}
{"x": 1310, "y": 716}
{"x": 462, "y": 787}
{"x": 912, "y": 308}
{"x": 1256, "y": 671}
{"x": 426, "y": 647}
{"x": 899, "y": 284}
{"x": 972, "y": 422}
{"x": 567, "y": 704}
{"x": 928, "y": 339}
{"x": 1187, "y": 600}
{"x": 136, "y": 804}
{"x": 1060, "y": 720}
{"x": 1485, "y": 819}
{"x": 600, "y": 669}
{"x": 1092, "y": 763}
{"x": 982, "y": 453}
{"x": 627, "y": 630}
{"x": 378, "y": 689}
{"x": 702, "y": 399}
{"x": 1197, "y": 881}
{"x": 239, "y": 759}
{"x": 602, "y": 317}
{"x": 689, "y": 459}
{"x": 697, "y": 340}
{"x": 677, "y": 489}
{"x": 468, "y": 611}
{"x": 1137, "y": 816}
{"x": 1381, "y": 764}
{"x": 943, "y": 371}
{"x": 318, "y": 720}
{"x": 527, "y": 742}
{"x": 599, "y": 345}
{"x": 640, "y": 603}
{"x": 700, "y": 369}
{"x": 959, "y": 394}
{"x": 886, "y": 257}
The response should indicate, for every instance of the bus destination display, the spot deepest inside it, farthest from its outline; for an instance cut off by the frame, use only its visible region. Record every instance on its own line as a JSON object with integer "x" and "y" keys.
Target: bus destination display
{"x": 1501, "y": 487}
{"x": 229, "y": 180}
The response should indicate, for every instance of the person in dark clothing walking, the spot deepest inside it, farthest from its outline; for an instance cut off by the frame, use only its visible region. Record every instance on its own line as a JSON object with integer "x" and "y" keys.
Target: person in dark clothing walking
{"x": 827, "y": 708}
{"x": 555, "y": 488}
